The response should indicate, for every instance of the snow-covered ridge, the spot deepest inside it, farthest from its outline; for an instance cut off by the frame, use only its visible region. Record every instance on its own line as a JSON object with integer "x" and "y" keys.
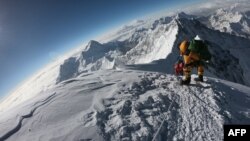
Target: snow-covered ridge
{"x": 160, "y": 42}
{"x": 105, "y": 105}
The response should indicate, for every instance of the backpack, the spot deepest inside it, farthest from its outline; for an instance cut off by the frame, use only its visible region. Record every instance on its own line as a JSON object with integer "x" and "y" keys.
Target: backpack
{"x": 200, "y": 48}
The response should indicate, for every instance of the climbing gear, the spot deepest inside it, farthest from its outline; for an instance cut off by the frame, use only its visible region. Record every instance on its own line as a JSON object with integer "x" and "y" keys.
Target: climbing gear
{"x": 199, "y": 47}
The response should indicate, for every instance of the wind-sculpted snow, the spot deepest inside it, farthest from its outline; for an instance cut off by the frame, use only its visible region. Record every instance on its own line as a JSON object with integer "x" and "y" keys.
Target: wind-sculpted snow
{"x": 23, "y": 117}
{"x": 101, "y": 106}
{"x": 136, "y": 111}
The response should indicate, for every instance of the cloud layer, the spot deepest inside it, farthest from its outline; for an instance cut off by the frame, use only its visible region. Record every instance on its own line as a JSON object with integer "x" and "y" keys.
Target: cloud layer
{"x": 206, "y": 7}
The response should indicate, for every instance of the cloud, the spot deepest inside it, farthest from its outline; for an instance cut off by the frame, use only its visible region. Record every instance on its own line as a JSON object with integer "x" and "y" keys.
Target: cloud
{"x": 203, "y": 8}
{"x": 208, "y": 6}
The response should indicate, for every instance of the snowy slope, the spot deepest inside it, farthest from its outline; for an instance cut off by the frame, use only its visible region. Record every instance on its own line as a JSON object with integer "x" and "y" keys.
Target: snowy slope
{"x": 105, "y": 105}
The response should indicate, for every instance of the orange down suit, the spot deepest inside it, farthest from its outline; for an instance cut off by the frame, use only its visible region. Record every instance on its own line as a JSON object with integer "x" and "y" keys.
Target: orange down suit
{"x": 191, "y": 60}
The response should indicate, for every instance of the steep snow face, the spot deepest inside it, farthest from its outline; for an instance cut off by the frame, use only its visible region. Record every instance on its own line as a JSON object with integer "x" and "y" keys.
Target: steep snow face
{"x": 236, "y": 23}
{"x": 143, "y": 46}
{"x": 156, "y": 45}
{"x": 105, "y": 105}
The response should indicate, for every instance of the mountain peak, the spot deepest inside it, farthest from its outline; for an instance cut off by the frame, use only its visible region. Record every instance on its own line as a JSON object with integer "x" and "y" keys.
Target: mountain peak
{"x": 93, "y": 43}
{"x": 183, "y": 15}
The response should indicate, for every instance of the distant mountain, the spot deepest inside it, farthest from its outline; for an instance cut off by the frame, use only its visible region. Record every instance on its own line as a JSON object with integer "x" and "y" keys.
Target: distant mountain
{"x": 233, "y": 22}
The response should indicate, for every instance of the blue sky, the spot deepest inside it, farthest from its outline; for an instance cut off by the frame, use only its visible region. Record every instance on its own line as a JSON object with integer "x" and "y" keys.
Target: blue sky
{"x": 32, "y": 30}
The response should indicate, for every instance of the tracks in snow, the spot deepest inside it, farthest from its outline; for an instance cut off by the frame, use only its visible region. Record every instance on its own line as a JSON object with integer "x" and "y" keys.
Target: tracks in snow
{"x": 136, "y": 111}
